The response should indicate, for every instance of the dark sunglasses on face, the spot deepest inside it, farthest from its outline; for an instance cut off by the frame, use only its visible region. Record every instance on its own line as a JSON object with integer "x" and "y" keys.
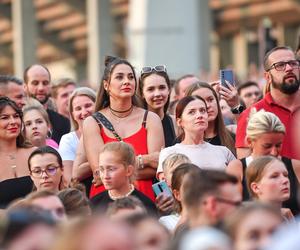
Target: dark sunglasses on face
{"x": 280, "y": 66}
{"x": 38, "y": 172}
{"x": 158, "y": 68}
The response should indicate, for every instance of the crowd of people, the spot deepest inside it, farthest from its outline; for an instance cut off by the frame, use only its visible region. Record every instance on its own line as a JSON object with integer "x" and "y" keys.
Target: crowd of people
{"x": 147, "y": 162}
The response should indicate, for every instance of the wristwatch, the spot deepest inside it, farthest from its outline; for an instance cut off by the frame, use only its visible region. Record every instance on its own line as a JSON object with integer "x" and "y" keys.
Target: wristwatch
{"x": 238, "y": 109}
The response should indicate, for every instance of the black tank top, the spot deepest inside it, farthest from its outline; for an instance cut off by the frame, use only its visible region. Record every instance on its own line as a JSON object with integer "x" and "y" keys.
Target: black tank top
{"x": 169, "y": 131}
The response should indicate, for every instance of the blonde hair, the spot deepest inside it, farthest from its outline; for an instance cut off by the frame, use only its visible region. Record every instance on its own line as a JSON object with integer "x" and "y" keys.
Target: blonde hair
{"x": 38, "y": 107}
{"x": 263, "y": 122}
{"x": 173, "y": 161}
{"x": 82, "y": 91}
{"x": 124, "y": 152}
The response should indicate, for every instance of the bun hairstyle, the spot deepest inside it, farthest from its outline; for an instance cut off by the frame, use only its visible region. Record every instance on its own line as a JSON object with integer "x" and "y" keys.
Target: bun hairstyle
{"x": 103, "y": 98}
{"x": 109, "y": 59}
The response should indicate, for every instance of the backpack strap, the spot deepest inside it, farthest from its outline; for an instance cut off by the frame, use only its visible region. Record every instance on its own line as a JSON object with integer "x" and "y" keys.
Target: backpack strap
{"x": 102, "y": 120}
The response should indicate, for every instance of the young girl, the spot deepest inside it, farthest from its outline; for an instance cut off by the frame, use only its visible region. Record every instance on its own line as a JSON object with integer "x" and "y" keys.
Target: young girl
{"x": 267, "y": 181}
{"x": 154, "y": 87}
{"x": 178, "y": 172}
{"x": 37, "y": 126}
{"x": 116, "y": 170}
{"x": 265, "y": 133}
{"x": 46, "y": 169}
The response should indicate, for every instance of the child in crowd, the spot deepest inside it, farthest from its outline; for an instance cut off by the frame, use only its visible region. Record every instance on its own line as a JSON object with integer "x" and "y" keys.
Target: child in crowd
{"x": 116, "y": 170}
{"x": 46, "y": 169}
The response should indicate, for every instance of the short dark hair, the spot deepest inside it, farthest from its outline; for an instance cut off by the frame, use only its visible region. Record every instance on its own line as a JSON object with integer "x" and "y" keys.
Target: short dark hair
{"x": 6, "y": 79}
{"x": 25, "y": 75}
{"x": 45, "y": 150}
{"x": 177, "y": 82}
{"x": 199, "y": 183}
{"x": 246, "y": 85}
{"x": 267, "y": 55}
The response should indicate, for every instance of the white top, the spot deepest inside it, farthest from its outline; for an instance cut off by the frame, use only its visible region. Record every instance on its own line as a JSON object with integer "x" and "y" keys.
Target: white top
{"x": 170, "y": 221}
{"x": 68, "y": 146}
{"x": 204, "y": 155}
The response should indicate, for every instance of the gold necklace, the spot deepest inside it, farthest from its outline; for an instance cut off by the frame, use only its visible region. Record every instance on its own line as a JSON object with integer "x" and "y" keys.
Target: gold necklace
{"x": 12, "y": 157}
{"x": 113, "y": 197}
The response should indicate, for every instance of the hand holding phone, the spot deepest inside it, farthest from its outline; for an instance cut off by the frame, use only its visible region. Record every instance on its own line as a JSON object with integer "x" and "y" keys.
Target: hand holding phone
{"x": 161, "y": 187}
{"x": 226, "y": 77}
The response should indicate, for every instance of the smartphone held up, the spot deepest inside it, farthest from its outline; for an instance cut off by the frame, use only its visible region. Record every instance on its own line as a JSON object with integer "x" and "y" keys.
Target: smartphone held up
{"x": 227, "y": 77}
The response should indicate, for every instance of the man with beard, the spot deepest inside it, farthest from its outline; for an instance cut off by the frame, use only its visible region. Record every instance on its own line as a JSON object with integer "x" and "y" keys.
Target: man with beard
{"x": 37, "y": 81}
{"x": 282, "y": 98}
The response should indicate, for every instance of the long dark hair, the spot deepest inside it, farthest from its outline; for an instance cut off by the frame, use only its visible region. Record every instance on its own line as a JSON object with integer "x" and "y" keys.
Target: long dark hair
{"x": 141, "y": 85}
{"x": 220, "y": 128}
{"x": 4, "y": 102}
{"x": 102, "y": 100}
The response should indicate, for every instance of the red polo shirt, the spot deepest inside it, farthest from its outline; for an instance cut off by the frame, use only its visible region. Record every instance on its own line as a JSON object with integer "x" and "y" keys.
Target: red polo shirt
{"x": 284, "y": 114}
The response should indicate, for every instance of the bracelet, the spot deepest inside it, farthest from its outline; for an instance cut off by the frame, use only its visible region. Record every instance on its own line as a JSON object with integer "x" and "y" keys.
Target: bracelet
{"x": 140, "y": 162}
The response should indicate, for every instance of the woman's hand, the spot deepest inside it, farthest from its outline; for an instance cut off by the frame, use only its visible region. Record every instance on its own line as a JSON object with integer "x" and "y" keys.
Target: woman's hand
{"x": 230, "y": 95}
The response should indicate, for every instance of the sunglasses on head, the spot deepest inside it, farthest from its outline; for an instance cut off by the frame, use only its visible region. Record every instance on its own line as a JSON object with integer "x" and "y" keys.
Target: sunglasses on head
{"x": 158, "y": 68}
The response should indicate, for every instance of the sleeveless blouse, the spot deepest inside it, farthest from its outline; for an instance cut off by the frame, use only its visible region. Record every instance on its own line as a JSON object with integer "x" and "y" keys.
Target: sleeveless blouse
{"x": 139, "y": 142}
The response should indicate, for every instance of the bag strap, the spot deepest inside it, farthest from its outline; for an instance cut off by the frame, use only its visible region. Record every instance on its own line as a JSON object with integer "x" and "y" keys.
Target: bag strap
{"x": 102, "y": 120}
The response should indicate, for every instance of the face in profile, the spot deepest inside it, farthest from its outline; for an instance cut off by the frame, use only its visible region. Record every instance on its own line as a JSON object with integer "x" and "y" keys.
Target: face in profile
{"x": 114, "y": 174}
{"x": 274, "y": 185}
{"x": 255, "y": 229}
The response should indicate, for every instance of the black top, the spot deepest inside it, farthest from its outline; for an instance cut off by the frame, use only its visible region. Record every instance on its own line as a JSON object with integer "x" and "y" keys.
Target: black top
{"x": 169, "y": 131}
{"x": 291, "y": 203}
{"x": 60, "y": 125}
{"x": 102, "y": 200}
{"x": 12, "y": 189}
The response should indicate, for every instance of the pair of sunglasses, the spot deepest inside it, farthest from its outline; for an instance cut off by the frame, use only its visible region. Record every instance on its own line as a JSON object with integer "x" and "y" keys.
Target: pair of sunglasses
{"x": 159, "y": 68}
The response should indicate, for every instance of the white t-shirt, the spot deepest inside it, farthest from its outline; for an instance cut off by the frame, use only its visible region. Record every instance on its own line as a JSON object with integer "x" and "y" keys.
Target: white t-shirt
{"x": 68, "y": 146}
{"x": 170, "y": 221}
{"x": 204, "y": 155}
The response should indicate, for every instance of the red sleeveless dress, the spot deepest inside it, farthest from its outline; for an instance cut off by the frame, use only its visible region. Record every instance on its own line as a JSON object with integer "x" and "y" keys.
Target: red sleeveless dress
{"x": 139, "y": 143}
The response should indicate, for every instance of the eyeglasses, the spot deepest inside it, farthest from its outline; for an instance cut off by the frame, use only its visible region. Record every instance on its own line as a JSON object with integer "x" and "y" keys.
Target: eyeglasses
{"x": 280, "y": 66}
{"x": 158, "y": 68}
{"x": 38, "y": 172}
{"x": 256, "y": 93}
{"x": 233, "y": 203}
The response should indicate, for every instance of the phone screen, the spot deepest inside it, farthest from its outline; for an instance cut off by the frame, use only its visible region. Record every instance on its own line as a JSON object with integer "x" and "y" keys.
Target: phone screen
{"x": 226, "y": 75}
